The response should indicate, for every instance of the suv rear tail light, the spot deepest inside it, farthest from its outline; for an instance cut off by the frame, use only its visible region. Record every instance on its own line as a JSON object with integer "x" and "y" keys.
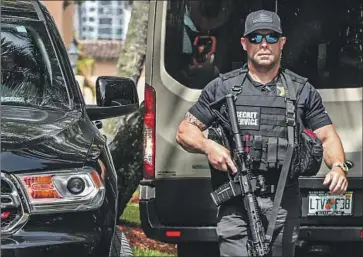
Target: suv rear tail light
{"x": 149, "y": 132}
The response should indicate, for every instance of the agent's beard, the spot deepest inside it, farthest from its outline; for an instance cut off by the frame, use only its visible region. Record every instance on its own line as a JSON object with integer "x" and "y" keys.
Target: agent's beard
{"x": 264, "y": 68}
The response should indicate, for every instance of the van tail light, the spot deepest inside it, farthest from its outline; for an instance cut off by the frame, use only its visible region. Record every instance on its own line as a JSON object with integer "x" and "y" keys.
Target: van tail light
{"x": 172, "y": 233}
{"x": 149, "y": 132}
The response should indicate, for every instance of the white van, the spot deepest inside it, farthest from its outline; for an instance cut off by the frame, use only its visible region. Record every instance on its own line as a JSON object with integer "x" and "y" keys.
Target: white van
{"x": 189, "y": 43}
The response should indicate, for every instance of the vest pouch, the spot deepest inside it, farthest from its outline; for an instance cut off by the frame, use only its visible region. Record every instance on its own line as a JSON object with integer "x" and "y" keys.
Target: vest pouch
{"x": 256, "y": 148}
{"x": 308, "y": 156}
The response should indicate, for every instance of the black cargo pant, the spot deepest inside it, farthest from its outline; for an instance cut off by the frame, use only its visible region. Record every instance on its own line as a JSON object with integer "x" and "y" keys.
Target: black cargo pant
{"x": 232, "y": 229}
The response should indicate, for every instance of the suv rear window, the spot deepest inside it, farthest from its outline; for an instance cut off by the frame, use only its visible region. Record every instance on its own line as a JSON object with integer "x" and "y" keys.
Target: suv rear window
{"x": 30, "y": 73}
{"x": 324, "y": 40}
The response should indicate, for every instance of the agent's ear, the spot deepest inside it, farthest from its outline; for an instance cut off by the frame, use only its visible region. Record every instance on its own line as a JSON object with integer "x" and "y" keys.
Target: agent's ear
{"x": 282, "y": 42}
{"x": 244, "y": 43}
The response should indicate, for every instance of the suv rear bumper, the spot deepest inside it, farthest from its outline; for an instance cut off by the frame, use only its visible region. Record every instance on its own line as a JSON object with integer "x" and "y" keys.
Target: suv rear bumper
{"x": 155, "y": 230}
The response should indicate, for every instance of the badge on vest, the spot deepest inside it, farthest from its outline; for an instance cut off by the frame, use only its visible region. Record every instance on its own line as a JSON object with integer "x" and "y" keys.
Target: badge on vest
{"x": 248, "y": 117}
{"x": 280, "y": 91}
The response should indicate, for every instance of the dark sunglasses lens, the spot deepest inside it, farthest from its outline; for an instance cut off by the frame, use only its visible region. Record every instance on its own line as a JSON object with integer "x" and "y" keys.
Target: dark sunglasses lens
{"x": 255, "y": 39}
{"x": 272, "y": 38}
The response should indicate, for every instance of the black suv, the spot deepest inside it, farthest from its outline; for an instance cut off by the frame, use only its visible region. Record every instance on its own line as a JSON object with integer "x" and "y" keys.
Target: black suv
{"x": 59, "y": 186}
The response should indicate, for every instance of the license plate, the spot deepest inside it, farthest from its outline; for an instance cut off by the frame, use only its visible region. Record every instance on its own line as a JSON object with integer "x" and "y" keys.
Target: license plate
{"x": 325, "y": 204}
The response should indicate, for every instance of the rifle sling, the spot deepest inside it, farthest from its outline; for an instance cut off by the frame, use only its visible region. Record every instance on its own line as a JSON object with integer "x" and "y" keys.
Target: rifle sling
{"x": 290, "y": 116}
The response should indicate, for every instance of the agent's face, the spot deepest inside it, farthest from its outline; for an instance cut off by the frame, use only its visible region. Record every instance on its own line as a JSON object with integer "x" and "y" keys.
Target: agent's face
{"x": 263, "y": 48}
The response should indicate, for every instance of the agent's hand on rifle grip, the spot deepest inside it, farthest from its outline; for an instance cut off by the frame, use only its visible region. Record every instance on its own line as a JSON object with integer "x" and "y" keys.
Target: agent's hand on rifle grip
{"x": 219, "y": 156}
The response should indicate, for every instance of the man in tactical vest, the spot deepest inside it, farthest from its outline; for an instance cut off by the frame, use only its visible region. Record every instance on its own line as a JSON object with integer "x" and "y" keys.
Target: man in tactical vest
{"x": 261, "y": 90}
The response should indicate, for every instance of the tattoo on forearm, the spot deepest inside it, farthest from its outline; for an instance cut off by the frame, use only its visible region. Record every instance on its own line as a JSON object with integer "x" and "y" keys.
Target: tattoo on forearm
{"x": 193, "y": 120}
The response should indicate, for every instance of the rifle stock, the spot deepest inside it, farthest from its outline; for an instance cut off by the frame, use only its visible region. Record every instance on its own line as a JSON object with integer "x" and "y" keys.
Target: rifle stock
{"x": 258, "y": 244}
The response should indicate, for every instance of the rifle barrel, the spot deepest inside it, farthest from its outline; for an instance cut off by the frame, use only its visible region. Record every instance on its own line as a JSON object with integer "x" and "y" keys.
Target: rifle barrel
{"x": 234, "y": 122}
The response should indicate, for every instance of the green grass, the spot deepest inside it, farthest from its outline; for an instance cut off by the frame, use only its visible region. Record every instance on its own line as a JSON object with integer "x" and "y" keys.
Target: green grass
{"x": 131, "y": 214}
{"x": 147, "y": 252}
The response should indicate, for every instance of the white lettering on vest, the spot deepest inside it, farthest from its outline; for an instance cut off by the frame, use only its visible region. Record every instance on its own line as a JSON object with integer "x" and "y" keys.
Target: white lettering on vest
{"x": 247, "y": 118}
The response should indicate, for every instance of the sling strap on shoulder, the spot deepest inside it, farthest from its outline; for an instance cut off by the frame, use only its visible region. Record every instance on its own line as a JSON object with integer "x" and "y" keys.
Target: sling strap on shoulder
{"x": 291, "y": 124}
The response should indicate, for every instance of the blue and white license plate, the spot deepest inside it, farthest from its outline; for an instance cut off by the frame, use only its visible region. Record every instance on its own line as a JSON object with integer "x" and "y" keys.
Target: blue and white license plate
{"x": 325, "y": 204}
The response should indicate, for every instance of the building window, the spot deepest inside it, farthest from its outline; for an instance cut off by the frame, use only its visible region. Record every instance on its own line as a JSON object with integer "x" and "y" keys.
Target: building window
{"x": 105, "y": 21}
{"x": 91, "y": 19}
{"x": 104, "y": 31}
{"x": 105, "y": 11}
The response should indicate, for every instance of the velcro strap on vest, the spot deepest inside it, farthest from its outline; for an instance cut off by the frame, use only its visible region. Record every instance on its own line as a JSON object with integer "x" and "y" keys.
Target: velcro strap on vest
{"x": 282, "y": 145}
{"x": 272, "y": 152}
{"x": 290, "y": 113}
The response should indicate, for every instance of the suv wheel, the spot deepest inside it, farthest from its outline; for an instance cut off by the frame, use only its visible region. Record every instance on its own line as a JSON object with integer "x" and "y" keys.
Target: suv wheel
{"x": 120, "y": 246}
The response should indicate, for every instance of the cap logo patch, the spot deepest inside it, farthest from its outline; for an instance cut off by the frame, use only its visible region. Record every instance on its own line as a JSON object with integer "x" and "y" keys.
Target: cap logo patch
{"x": 262, "y": 17}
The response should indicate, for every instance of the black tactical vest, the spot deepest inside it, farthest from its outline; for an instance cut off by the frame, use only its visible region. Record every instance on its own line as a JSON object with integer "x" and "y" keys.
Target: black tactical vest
{"x": 262, "y": 123}
{"x": 266, "y": 122}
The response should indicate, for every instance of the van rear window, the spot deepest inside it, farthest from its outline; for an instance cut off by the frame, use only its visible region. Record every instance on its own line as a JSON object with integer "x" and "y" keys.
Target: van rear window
{"x": 324, "y": 39}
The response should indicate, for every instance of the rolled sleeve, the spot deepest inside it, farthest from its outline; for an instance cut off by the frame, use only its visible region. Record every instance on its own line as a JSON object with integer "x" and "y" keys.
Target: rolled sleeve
{"x": 316, "y": 115}
{"x": 201, "y": 108}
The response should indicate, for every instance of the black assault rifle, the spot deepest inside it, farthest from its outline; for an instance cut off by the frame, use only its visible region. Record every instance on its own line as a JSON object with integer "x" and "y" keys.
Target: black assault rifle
{"x": 259, "y": 243}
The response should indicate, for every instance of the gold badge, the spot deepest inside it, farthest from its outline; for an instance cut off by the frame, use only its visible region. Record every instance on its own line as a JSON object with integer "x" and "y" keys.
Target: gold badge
{"x": 281, "y": 91}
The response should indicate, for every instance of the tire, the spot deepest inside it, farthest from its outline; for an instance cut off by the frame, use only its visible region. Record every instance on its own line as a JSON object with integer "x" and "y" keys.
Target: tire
{"x": 120, "y": 245}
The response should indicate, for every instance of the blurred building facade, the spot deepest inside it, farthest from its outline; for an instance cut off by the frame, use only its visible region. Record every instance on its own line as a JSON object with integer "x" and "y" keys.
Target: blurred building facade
{"x": 99, "y": 28}
{"x": 103, "y": 20}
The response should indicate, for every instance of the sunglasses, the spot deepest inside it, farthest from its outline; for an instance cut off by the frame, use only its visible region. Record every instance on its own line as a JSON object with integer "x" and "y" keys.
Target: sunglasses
{"x": 256, "y": 38}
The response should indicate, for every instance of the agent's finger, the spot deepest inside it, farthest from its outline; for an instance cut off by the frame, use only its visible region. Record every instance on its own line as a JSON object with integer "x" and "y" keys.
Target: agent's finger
{"x": 327, "y": 179}
{"x": 231, "y": 165}
{"x": 222, "y": 167}
{"x": 334, "y": 181}
{"x": 338, "y": 187}
{"x": 345, "y": 185}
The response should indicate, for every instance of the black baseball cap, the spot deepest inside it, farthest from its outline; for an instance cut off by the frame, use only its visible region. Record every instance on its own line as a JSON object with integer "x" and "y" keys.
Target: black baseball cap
{"x": 262, "y": 19}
